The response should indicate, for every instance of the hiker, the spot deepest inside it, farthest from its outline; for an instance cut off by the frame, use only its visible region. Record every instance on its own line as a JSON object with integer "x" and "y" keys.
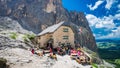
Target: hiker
{"x": 64, "y": 51}
{"x": 54, "y": 56}
{"x": 33, "y": 51}
{"x": 78, "y": 53}
{"x": 40, "y": 53}
{"x": 43, "y": 52}
{"x": 51, "y": 54}
{"x": 81, "y": 53}
{"x": 78, "y": 49}
{"x": 50, "y": 50}
{"x": 68, "y": 51}
{"x": 78, "y": 60}
{"x": 58, "y": 49}
{"x": 71, "y": 51}
{"x": 82, "y": 59}
{"x": 60, "y": 52}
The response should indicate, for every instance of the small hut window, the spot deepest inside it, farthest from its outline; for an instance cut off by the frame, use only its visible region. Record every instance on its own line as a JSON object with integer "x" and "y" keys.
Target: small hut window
{"x": 65, "y": 37}
{"x": 39, "y": 37}
{"x": 65, "y": 29}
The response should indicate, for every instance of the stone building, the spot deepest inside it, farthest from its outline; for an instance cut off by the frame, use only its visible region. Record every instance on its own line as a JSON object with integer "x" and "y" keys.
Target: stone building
{"x": 56, "y": 35}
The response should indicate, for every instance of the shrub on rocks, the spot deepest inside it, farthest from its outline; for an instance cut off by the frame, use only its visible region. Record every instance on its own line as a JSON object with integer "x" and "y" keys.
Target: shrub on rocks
{"x": 3, "y": 63}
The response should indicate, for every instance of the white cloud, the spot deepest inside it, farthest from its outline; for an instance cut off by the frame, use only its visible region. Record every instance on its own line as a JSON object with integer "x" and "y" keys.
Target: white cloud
{"x": 114, "y": 34}
{"x": 105, "y": 22}
{"x": 109, "y": 4}
{"x": 95, "y": 6}
{"x": 118, "y": 11}
{"x": 117, "y": 16}
{"x": 94, "y": 35}
{"x": 118, "y": 6}
{"x": 92, "y": 19}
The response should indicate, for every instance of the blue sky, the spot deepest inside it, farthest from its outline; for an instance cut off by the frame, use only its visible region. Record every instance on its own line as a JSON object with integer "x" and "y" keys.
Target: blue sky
{"x": 103, "y": 16}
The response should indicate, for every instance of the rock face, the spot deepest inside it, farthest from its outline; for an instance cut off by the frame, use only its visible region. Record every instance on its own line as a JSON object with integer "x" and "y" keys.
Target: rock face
{"x": 36, "y": 15}
{"x": 7, "y": 23}
{"x": 7, "y": 28}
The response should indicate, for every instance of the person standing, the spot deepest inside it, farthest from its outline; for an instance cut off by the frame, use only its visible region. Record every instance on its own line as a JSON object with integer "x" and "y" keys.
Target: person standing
{"x": 33, "y": 51}
{"x": 51, "y": 50}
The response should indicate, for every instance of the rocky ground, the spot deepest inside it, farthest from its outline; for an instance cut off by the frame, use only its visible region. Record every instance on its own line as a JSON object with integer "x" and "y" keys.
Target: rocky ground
{"x": 20, "y": 58}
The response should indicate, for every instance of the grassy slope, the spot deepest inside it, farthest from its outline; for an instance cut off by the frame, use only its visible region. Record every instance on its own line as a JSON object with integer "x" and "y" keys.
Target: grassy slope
{"x": 110, "y": 51}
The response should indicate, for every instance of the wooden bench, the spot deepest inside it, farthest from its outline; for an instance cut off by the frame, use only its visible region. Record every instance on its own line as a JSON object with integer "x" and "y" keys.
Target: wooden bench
{"x": 47, "y": 51}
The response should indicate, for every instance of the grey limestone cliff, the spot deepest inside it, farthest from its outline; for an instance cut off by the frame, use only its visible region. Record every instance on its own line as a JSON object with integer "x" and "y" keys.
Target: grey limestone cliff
{"x": 35, "y": 15}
